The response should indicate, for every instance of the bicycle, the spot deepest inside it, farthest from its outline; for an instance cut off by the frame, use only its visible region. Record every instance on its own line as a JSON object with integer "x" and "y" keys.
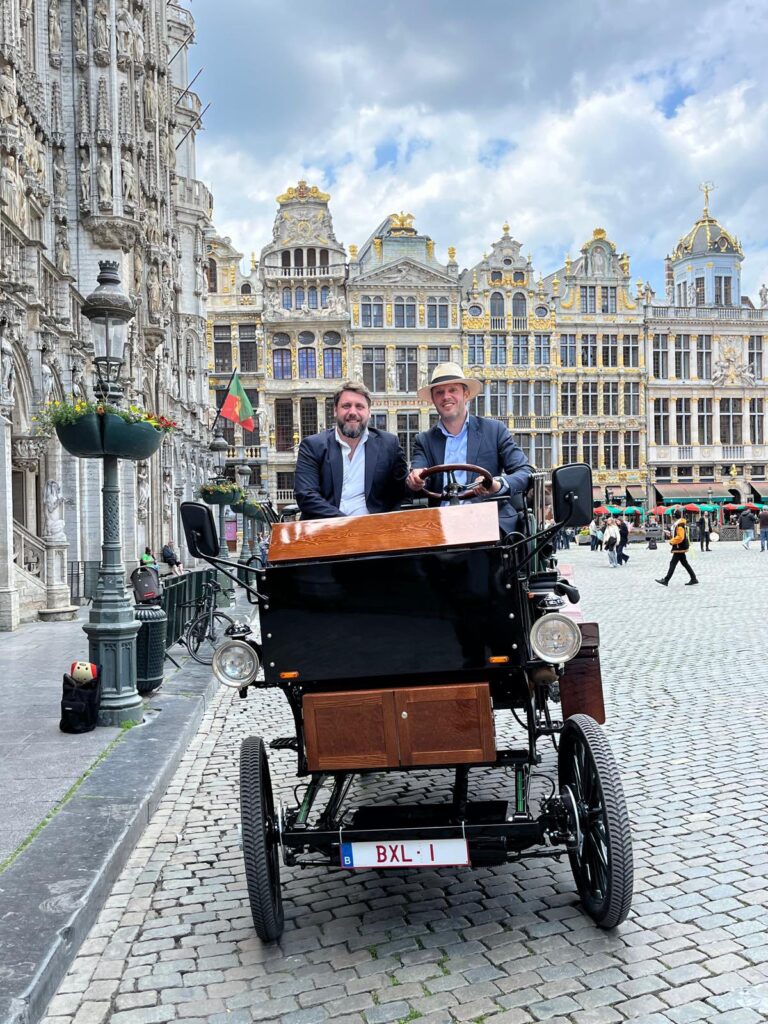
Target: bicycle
{"x": 208, "y": 627}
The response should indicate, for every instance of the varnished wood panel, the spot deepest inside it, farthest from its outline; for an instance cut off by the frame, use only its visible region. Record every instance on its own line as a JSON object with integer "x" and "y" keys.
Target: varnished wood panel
{"x": 420, "y": 529}
{"x": 445, "y": 724}
{"x": 350, "y": 731}
{"x": 581, "y": 686}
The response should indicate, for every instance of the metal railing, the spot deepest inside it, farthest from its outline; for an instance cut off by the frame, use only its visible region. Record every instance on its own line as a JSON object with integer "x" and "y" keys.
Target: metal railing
{"x": 179, "y": 591}
{"x": 709, "y": 312}
{"x": 328, "y": 270}
{"x": 28, "y": 551}
{"x": 82, "y": 578}
{"x": 733, "y": 451}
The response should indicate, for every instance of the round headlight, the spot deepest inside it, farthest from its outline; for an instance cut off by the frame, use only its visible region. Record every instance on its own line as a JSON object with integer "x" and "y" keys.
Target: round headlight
{"x": 555, "y": 638}
{"x": 235, "y": 664}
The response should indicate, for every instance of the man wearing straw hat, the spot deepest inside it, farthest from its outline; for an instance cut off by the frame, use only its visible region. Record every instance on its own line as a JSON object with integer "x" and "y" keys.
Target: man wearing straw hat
{"x": 458, "y": 438}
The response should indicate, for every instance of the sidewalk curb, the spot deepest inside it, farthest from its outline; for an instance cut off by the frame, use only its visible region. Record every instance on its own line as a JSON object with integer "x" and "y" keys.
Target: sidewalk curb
{"x": 52, "y": 894}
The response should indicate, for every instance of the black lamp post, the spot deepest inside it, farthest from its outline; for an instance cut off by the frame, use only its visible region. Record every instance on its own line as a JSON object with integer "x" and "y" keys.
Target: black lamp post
{"x": 244, "y": 475}
{"x": 219, "y": 447}
{"x": 112, "y": 625}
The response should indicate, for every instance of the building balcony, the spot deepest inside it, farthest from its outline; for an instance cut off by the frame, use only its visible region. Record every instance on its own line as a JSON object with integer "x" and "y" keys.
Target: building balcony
{"x": 734, "y": 451}
{"x": 498, "y": 323}
{"x": 332, "y": 270}
{"x": 519, "y": 323}
{"x": 186, "y": 101}
{"x": 685, "y": 453}
{"x": 194, "y": 194}
{"x": 707, "y": 313}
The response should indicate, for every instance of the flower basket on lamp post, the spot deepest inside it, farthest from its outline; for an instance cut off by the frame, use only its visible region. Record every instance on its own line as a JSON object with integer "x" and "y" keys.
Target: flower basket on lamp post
{"x": 224, "y": 493}
{"x": 133, "y": 441}
{"x": 83, "y": 437}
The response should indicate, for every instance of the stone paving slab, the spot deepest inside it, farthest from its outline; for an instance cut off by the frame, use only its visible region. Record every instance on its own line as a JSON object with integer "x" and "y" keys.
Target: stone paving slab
{"x": 687, "y": 718}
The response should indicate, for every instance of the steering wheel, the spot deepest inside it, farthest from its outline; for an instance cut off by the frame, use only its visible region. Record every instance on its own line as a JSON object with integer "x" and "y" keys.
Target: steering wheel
{"x": 451, "y": 490}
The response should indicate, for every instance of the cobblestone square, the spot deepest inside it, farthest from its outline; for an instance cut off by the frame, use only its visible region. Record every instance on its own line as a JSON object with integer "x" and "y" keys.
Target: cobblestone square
{"x": 685, "y": 691}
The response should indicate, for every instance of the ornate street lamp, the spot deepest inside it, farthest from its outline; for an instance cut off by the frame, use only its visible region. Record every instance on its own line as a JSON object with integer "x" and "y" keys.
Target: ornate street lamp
{"x": 219, "y": 448}
{"x": 112, "y": 625}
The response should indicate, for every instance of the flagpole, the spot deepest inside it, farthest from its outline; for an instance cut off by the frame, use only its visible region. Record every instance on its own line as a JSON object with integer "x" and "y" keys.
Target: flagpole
{"x": 218, "y": 411}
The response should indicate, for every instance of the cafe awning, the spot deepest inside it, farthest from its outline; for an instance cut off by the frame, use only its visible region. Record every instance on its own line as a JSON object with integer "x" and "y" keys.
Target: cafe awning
{"x": 760, "y": 490}
{"x": 692, "y": 492}
{"x": 635, "y": 493}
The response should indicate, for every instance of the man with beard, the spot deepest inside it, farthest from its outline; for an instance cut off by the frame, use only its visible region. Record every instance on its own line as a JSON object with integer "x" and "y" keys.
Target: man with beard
{"x": 351, "y": 469}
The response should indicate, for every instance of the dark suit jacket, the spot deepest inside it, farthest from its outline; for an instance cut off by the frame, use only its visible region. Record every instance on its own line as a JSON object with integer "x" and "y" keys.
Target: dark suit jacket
{"x": 490, "y": 446}
{"x": 320, "y": 474}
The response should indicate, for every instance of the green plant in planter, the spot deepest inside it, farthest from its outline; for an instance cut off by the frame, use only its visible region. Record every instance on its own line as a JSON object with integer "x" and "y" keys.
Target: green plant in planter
{"x": 222, "y": 492}
{"x": 91, "y": 430}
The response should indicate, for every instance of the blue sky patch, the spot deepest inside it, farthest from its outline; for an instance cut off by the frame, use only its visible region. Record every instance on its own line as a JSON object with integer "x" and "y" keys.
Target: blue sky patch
{"x": 385, "y": 154}
{"x": 674, "y": 98}
{"x": 493, "y": 151}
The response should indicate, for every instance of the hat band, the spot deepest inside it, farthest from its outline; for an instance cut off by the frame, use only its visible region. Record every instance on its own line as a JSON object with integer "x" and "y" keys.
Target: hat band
{"x": 442, "y": 380}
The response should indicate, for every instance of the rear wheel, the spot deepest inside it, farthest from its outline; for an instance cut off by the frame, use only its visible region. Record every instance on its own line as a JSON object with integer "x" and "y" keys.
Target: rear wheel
{"x": 601, "y": 857}
{"x": 206, "y": 634}
{"x": 261, "y": 847}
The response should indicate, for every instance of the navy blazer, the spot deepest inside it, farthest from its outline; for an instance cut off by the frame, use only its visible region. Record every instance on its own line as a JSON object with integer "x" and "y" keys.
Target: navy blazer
{"x": 320, "y": 474}
{"x": 491, "y": 446}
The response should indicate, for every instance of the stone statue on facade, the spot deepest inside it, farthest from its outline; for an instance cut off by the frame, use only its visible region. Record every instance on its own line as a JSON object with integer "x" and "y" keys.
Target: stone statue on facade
{"x": 104, "y": 178}
{"x": 101, "y": 25}
{"x": 54, "y": 27}
{"x": 138, "y": 41}
{"x": 598, "y": 261}
{"x": 154, "y": 237}
{"x": 150, "y": 100}
{"x": 763, "y": 296}
{"x": 46, "y": 382}
{"x": 648, "y": 293}
{"x": 154, "y": 293}
{"x": 7, "y": 98}
{"x": 8, "y": 185}
{"x": 59, "y": 175}
{"x": 80, "y": 28}
{"x": 85, "y": 179}
{"x": 142, "y": 491}
{"x": 53, "y": 529}
{"x": 129, "y": 179}
{"x": 63, "y": 262}
{"x": 167, "y": 493}
{"x": 138, "y": 271}
{"x": 691, "y": 295}
{"x": 124, "y": 24}
{"x": 7, "y": 368}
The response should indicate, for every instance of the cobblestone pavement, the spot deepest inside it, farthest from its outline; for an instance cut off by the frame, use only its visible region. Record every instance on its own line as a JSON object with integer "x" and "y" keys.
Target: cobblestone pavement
{"x": 684, "y": 672}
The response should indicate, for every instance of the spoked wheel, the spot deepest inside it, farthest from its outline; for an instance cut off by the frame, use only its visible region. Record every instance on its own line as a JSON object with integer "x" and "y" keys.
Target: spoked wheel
{"x": 601, "y": 858}
{"x": 205, "y": 635}
{"x": 261, "y": 848}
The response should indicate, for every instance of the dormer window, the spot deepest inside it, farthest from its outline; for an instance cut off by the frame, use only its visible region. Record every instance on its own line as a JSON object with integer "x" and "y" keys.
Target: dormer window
{"x": 496, "y": 277}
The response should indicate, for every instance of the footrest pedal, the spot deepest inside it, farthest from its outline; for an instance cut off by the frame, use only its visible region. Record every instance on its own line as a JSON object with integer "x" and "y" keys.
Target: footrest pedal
{"x": 285, "y": 743}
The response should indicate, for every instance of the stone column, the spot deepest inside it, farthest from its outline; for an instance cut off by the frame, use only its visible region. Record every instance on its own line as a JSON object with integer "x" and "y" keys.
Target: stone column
{"x": 58, "y": 604}
{"x": 9, "y": 595}
{"x": 672, "y": 422}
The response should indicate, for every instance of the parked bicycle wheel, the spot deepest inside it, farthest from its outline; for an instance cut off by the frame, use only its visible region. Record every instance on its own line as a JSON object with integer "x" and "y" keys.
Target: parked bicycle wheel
{"x": 206, "y": 633}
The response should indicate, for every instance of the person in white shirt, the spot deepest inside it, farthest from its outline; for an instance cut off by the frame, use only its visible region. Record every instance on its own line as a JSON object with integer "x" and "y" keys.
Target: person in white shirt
{"x": 352, "y": 469}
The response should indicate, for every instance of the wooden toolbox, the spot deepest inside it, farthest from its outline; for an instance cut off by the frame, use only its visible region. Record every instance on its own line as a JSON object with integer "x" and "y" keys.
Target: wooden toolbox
{"x": 358, "y": 730}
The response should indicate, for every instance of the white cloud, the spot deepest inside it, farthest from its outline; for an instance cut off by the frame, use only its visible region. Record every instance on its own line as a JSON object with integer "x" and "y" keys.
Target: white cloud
{"x": 616, "y": 129}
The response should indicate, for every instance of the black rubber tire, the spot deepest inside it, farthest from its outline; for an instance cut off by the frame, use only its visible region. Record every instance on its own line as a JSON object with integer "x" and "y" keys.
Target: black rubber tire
{"x": 261, "y": 849}
{"x": 202, "y": 646}
{"x": 603, "y": 871}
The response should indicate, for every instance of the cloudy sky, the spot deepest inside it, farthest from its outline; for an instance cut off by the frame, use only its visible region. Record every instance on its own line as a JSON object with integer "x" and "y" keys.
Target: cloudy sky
{"x": 559, "y": 116}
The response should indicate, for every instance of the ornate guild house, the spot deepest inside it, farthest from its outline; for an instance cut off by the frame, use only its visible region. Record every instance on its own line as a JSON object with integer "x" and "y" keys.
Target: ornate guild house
{"x": 97, "y": 161}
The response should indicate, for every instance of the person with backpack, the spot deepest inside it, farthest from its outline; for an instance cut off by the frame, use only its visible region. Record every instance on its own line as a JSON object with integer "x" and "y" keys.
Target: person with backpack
{"x": 611, "y": 538}
{"x": 680, "y": 543}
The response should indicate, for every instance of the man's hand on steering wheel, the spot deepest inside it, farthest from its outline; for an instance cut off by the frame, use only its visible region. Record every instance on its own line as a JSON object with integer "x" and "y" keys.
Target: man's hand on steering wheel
{"x": 483, "y": 485}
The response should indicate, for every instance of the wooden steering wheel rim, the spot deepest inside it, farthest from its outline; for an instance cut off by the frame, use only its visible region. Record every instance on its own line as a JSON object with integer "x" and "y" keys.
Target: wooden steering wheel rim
{"x": 452, "y": 467}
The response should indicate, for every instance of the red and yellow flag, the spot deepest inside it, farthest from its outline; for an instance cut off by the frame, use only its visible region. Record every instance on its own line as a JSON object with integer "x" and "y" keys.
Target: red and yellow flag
{"x": 237, "y": 406}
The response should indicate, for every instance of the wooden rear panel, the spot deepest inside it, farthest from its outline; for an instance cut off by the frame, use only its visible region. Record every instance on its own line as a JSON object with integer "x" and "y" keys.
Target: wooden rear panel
{"x": 350, "y": 731}
{"x": 581, "y": 685}
{"x": 445, "y": 725}
{"x": 415, "y": 530}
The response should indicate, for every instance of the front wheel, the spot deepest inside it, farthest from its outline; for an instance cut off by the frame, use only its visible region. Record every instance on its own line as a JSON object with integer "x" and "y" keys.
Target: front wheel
{"x": 206, "y": 633}
{"x": 261, "y": 848}
{"x": 601, "y": 858}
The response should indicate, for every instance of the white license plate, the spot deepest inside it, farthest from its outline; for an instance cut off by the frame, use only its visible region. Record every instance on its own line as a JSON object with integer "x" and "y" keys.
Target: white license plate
{"x": 413, "y": 853}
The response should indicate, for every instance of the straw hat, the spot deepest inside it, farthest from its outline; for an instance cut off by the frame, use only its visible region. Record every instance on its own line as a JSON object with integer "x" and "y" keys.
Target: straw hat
{"x": 449, "y": 373}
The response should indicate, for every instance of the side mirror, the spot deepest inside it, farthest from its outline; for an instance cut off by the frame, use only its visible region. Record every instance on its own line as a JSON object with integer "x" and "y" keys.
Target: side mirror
{"x": 572, "y": 494}
{"x": 199, "y": 529}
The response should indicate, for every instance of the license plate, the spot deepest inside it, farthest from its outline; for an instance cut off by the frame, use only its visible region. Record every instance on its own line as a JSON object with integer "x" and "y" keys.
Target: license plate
{"x": 413, "y": 853}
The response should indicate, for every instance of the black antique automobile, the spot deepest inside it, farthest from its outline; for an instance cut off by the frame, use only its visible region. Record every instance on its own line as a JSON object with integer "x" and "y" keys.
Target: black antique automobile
{"x": 395, "y": 639}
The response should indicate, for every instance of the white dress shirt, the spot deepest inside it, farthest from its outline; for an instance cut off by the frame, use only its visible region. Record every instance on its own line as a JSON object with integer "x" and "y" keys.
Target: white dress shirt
{"x": 352, "y": 501}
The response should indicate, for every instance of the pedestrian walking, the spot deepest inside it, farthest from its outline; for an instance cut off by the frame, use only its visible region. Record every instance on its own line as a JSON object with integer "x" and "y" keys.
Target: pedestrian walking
{"x": 611, "y": 538}
{"x": 763, "y": 521}
{"x": 680, "y": 543}
{"x": 747, "y": 526}
{"x": 621, "y": 556}
{"x": 593, "y": 534}
{"x": 704, "y": 524}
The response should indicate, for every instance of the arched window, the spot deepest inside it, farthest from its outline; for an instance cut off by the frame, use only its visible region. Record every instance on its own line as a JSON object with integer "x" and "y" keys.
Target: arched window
{"x": 307, "y": 362}
{"x": 287, "y": 301}
{"x": 324, "y": 293}
{"x": 311, "y": 257}
{"x": 323, "y": 257}
{"x": 519, "y": 305}
{"x": 306, "y": 338}
{"x": 497, "y": 304}
{"x": 285, "y": 263}
{"x": 299, "y": 296}
{"x": 438, "y": 312}
{"x": 431, "y": 311}
{"x": 405, "y": 311}
{"x": 213, "y": 276}
{"x": 281, "y": 364}
{"x": 298, "y": 258}
{"x": 331, "y": 362}
{"x": 245, "y": 289}
{"x": 312, "y": 297}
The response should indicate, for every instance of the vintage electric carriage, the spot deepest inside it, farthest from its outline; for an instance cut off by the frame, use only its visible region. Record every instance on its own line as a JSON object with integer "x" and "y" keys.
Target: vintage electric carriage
{"x": 395, "y": 638}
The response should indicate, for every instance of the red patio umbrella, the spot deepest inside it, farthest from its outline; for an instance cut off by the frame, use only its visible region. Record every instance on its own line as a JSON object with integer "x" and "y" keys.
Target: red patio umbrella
{"x": 659, "y": 510}
{"x": 690, "y": 507}
{"x": 731, "y": 507}
{"x": 601, "y": 510}
{"x": 753, "y": 506}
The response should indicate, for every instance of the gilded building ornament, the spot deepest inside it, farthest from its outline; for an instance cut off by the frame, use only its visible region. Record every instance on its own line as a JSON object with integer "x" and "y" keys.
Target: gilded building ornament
{"x": 353, "y": 252}
{"x": 389, "y": 314}
{"x": 356, "y": 313}
{"x": 421, "y": 314}
{"x": 377, "y": 247}
{"x": 430, "y": 249}
{"x": 303, "y": 193}
{"x": 401, "y": 224}
{"x": 451, "y": 253}
{"x": 472, "y": 323}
